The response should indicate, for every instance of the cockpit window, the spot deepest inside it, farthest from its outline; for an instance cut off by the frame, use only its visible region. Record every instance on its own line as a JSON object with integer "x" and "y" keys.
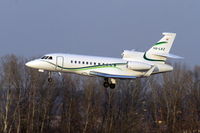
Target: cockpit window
{"x": 50, "y": 57}
{"x": 47, "y": 57}
{"x": 43, "y": 57}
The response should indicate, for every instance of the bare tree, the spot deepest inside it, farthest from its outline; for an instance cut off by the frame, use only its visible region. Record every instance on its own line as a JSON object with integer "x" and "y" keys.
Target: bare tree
{"x": 164, "y": 103}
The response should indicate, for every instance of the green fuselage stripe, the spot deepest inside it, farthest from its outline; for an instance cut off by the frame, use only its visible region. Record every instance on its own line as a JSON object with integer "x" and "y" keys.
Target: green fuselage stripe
{"x": 114, "y": 65}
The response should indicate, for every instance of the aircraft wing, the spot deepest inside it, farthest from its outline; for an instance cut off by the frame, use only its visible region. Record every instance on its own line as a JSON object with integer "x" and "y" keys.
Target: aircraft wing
{"x": 106, "y": 75}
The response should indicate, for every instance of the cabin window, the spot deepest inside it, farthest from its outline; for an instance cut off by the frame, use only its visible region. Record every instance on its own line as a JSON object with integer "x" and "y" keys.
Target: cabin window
{"x": 90, "y": 63}
{"x": 83, "y": 62}
{"x": 71, "y": 61}
{"x": 87, "y": 63}
{"x": 94, "y": 63}
{"x": 79, "y": 62}
{"x": 75, "y": 62}
{"x": 99, "y": 63}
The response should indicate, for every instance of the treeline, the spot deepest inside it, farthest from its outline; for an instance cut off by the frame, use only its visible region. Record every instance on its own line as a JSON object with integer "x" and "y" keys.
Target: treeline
{"x": 165, "y": 103}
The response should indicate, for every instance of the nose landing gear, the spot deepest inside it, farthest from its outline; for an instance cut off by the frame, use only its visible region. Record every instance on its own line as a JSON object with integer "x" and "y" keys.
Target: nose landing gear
{"x": 49, "y": 77}
{"x": 50, "y": 80}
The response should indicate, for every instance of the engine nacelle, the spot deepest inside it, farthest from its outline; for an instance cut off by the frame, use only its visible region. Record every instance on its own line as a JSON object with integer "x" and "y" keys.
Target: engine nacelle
{"x": 134, "y": 65}
{"x": 130, "y": 54}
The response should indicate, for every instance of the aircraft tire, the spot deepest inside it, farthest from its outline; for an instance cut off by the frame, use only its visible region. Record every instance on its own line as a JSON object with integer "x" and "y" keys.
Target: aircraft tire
{"x": 50, "y": 80}
{"x": 106, "y": 84}
{"x": 112, "y": 86}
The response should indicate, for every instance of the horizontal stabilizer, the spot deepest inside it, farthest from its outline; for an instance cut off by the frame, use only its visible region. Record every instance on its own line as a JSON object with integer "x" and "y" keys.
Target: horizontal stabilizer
{"x": 168, "y": 55}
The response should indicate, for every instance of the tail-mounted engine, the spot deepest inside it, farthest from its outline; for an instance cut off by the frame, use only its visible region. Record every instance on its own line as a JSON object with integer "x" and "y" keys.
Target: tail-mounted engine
{"x": 130, "y": 54}
{"x": 134, "y": 65}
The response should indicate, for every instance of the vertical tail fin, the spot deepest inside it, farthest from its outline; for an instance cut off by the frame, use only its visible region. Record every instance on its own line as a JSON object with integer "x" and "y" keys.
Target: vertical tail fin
{"x": 162, "y": 47}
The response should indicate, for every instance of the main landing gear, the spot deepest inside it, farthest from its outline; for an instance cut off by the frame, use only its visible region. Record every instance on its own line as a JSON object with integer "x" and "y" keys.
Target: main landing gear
{"x": 109, "y": 83}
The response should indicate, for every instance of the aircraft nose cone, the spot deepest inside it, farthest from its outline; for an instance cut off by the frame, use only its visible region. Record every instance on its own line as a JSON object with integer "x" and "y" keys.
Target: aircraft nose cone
{"x": 31, "y": 64}
{"x": 171, "y": 68}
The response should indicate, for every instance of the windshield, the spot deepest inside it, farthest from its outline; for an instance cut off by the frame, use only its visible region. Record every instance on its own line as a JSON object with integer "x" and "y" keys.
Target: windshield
{"x": 47, "y": 57}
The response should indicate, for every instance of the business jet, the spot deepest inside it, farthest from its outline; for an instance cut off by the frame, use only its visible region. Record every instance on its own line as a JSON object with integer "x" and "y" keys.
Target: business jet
{"x": 132, "y": 65}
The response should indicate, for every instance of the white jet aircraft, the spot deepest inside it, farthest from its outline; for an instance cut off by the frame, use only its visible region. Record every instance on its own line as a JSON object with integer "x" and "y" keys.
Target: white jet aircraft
{"x": 132, "y": 65}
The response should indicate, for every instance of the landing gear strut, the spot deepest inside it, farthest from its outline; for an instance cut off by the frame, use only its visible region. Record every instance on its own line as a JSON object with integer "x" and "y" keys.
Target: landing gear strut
{"x": 109, "y": 83}
{"x": 50, "y": 78}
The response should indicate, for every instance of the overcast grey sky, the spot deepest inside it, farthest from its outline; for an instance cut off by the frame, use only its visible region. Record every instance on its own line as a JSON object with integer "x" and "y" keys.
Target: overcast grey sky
{"x": 98, "y": 27}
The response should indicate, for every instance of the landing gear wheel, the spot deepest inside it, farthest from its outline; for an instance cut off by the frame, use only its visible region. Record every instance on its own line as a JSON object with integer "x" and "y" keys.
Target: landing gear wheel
{"x": 109, "y": 83}
{"x": 112, "y": 86}
{"x": 50, "y": 80}
{"x": 106, "y": 84}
